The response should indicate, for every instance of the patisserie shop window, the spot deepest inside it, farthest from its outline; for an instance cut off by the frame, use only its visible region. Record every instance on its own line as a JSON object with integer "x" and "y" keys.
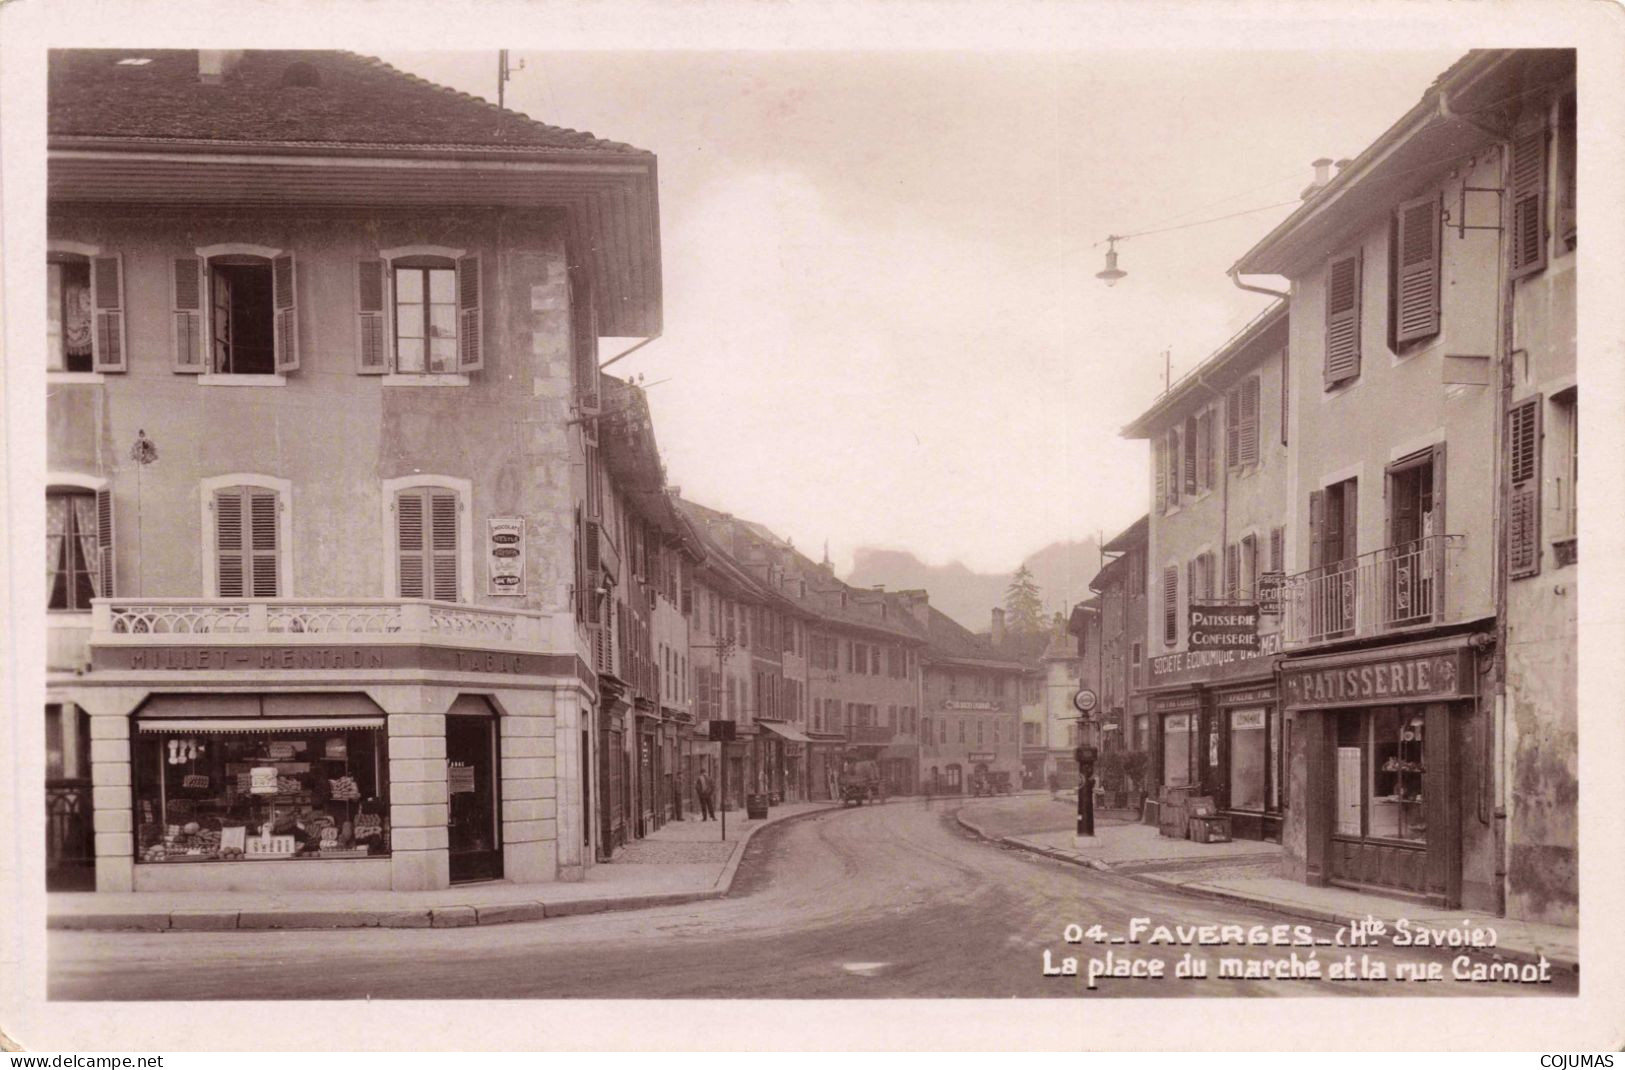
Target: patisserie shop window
{"x": 216, "y": 792}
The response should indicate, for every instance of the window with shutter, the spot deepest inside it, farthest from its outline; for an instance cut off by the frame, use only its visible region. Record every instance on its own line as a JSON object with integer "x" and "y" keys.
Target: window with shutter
{"x": 1247, "y": 447}
{"x": 1527, "y": 204}
{"x": 1232, "y": 572}
{"x": 1523, "y": 499}
{"x": 247, "y": 544}
{"x": 1413, "y": 286}
{"x": 107, "y": 300}
{"x": 1343, "y": 319}
{"x": 1170, "y": 606}
{"x": 426, "y": 520}
{"x": 1247, "y": 583}
{"x": 1277, "y": 549}
{"x": 371, "y": 358}
{"x": 77, "y": 569}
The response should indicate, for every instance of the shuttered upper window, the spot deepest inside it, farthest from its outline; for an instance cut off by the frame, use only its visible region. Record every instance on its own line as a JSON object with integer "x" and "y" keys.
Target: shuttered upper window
{"x": 247, "y": 542}
{"x": 234, "y": 311}
{"x": 418, "y": 312}
{"x": 1414, "y": 271}
{"x": 1523, "y": 498}
{"x": 427, "y": 544}
{"x": 1241, "y": 423}
{"x": 1170, "y": 605}
{"x": 1343, "y": 319}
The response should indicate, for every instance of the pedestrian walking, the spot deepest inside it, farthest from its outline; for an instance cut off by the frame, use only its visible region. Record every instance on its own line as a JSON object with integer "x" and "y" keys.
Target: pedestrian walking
{"x": 702, "y": 789}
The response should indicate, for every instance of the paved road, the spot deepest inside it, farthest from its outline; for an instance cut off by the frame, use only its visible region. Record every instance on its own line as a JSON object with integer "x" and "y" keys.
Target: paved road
{"x": 887, "y": 901}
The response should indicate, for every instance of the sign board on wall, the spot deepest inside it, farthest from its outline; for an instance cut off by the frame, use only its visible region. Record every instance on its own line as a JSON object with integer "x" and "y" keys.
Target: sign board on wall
{"x": 505, "y": 554}
{"x": 1223, "y": 627}
{"x": 1269, "y": 592}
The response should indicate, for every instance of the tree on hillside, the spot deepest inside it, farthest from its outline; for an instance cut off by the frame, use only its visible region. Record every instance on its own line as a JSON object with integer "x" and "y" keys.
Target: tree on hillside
{"x": 1022, "y": 603}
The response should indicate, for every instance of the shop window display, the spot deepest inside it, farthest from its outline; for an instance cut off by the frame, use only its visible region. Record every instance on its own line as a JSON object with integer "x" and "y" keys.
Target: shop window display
{"x": 221, "y": 795}
{"x": 1247, "y": 759}
{"x": 1382, "y": 751}
{"x": 1176, "y": 750}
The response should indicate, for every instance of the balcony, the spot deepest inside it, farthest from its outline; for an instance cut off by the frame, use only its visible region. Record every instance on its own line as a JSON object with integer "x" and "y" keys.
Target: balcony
{"x": 1392, "y": 590}
{"x": 870, "y": 733}
{"x": 296, "y": 621}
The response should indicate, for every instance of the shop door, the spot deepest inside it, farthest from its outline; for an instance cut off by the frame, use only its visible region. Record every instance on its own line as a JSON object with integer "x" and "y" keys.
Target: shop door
{"x": 474, "y": 827}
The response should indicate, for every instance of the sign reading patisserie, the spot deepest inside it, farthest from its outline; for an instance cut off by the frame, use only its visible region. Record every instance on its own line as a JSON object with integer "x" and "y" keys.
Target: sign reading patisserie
{"x": 1412, "y": 678}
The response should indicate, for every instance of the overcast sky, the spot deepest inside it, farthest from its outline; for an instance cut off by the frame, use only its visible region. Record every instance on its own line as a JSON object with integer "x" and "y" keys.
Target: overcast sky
{"x": 881, "y": 322}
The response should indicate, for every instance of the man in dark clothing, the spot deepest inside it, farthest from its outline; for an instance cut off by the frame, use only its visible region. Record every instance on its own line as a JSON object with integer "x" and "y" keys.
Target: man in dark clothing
{"x": 702, "y": 789}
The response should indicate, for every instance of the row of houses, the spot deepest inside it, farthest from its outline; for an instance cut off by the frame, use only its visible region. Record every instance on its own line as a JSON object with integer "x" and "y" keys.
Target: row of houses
{"x": 361, "y": 573}
{"x": 1383, "y": 463}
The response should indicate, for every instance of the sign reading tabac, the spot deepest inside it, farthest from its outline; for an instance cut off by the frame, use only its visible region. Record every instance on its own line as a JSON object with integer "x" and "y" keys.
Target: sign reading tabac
{"x": 505, "y": 554}
{"x": 1402, "y": 678}
{"x": 1223, "y": 627}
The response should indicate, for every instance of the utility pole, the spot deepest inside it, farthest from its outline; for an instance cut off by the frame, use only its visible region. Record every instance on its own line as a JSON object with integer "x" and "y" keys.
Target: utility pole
{"x": 505, "y": 72}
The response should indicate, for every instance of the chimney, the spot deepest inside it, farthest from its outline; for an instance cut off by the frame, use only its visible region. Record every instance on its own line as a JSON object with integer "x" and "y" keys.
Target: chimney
{"x": 919, "y": 605}
{"x": 215, "y": 65}
{"x": 1323, "y": 175}
{"x": 998, "y": 627}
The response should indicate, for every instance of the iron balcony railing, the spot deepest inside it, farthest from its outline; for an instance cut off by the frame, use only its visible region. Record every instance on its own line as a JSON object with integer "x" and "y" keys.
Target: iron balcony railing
{"x": 1394, "y": 589}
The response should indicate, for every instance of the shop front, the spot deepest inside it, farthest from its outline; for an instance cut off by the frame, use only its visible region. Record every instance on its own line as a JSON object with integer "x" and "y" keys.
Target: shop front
{"x": 824, "y": 750}
{"x": 1216, "y": 730}
{"x": 787, "y": 747}
{"x": 1387, "y": 738}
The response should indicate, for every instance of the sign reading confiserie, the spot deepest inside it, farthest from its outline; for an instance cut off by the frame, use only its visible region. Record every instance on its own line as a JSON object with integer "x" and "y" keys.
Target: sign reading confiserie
{"x": 1223, "y": 627}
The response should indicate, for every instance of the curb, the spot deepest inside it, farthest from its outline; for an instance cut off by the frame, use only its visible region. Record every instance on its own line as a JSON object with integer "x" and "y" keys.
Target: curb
{"x": 1514, "y": 954}
{"x": 441, "y": 916}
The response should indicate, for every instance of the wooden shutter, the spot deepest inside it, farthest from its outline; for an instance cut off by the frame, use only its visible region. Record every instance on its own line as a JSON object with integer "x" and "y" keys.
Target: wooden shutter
{"x": 443, "y": 544}
{"x": 107, "y": 301}
{"x": 186, "y": 315}
{"x": 1232, "y": 427}
{"x": 1317, "y": 528}
{"x": 262, "y": 542}
{"x": 1286, "y": 389}
{"x": 371, "y": 353}
{"x": 285, "y": 322}
{"x": 1232, "y": 571}
{"x": 1523, "y": 499}
{"x": 1416, "y": 270}
{"x": 409, "y": 534}
{"x": 470, "y": 344}
{"x": 104, "y": 540}
{"x": 1247, "y": 447}
{"x": 1173, "y": 466}
{"x": 1350, "y": 521}
{"x": 1528, "y": 204}
{"x": 1159, "y": 464}
{"x": 229, "y": 546}
{"x": 1170, "y": 605}
{"x": 1277, "y": 549}
{"x": 1343, "y": 319}
{"x": 1209, "y": 441}
{"x": 1190, "y": 457}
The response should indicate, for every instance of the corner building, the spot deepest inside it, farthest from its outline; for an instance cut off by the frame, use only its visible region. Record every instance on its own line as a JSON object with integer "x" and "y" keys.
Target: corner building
{"x": 322, "y": 342}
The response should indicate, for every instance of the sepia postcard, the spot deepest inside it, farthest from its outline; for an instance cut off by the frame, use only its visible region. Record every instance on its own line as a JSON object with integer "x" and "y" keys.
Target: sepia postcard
{"x": 796, "y": 517}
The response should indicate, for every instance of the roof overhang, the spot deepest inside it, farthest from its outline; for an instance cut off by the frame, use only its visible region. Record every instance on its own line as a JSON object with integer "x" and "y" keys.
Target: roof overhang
{"x": 1453, "y": 119}
{"x": 610, "y": 199}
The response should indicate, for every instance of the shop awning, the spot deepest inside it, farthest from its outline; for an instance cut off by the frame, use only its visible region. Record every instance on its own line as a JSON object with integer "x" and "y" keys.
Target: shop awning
{"x": 789, "y": 732}
{"x": 257, "y": 724}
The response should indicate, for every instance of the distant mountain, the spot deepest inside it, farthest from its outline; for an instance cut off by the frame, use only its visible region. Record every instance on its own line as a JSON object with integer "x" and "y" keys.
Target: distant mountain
{"x": 1062, "y": 570}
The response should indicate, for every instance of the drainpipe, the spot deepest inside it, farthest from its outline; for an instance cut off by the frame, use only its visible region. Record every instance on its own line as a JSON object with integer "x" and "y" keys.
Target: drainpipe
{"x": 1235, "y": 277}
{"x": 1497, "y": 750}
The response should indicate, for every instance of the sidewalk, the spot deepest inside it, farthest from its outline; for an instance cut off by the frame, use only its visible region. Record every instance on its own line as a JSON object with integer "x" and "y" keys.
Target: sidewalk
{"x": 1246, "y": 872}
{"x": 682, "y": 862}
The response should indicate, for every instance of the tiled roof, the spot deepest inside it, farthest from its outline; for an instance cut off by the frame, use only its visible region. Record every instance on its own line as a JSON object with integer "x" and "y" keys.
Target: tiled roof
{"x": 356, "y": 100}
{"x": 950, "y": 639}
